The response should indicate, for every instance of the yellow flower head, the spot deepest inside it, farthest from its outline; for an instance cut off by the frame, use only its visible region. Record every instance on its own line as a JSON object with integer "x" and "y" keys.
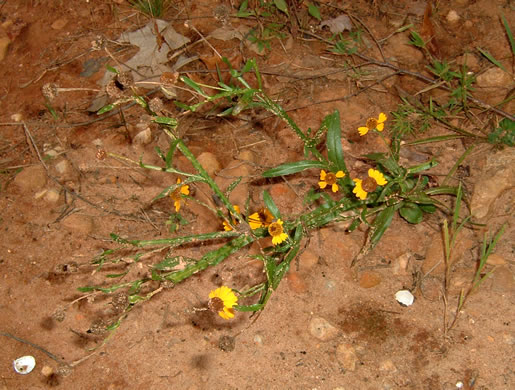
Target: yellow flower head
{"x": 329, "y": 178}
{"x": 228, "y": 227}
{"x": 262, "y": 218}
{"x": 373, "y": 123}
{"x": 221, "y": 301}
{"x": 363, "y": 187}
{"x": 276, "y": 231}
{"x": 177, "y": 194}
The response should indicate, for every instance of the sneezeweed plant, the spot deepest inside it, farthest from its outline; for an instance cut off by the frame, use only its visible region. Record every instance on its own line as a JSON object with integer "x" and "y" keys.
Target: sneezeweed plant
{"x": 371, "y": 200}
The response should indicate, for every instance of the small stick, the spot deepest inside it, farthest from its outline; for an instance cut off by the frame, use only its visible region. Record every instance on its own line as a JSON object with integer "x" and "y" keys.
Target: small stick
{"x": 49, "y": 354}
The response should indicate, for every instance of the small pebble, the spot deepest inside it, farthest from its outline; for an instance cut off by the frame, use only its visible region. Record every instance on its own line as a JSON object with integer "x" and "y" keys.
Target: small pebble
{"x": 24, "y": 365}
{"x": 404, "y": 297}
{"x": 453, "y": 17}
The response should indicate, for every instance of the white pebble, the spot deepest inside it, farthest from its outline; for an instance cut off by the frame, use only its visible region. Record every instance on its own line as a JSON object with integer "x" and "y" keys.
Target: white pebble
{"x": 24, "y": 365}
{"x": 404, "y": 297}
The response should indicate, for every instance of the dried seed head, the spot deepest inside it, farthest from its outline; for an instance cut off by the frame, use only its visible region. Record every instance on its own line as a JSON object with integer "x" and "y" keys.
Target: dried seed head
{"x": 126, "y": 79}
{"x": 156, "y": 105}
{"x": 59, "y": 314}
{"x": 120, "y": 302}
{"x": 113, "y": 90}
{"x": 98, "y": 43}
{"x": 50, "y": 91}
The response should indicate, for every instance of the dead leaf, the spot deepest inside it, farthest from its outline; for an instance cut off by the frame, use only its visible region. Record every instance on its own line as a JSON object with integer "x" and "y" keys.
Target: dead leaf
{"x": 338, "y": 24}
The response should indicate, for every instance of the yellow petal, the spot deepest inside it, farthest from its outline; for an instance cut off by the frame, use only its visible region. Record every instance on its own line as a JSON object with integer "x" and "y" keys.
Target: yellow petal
{"x": 185, "y": 190}
{"x": 227, "y": 227}
{"x": 322, "y": 175}
{"x": 280, "y": 238}
{"x": 226, "y": 313}
{"x": 382, "y": 118}
{"x": 255, "y": 221}
{"x": 322, "y": 184}
{"x": 177, "y": 205}
{"x": 380, "y": 127}
{"x": 340, "y": 174}
{"x": 377, "y": 176}
{"x": 358, "y": 190}
{"x": 335, "y": 187}
{"x": 363, "y": 130}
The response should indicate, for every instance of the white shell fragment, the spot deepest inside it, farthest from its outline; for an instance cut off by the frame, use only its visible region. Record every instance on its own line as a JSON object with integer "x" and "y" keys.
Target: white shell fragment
{"x": 24, "y": 365}
{"x": 404, "y": 297}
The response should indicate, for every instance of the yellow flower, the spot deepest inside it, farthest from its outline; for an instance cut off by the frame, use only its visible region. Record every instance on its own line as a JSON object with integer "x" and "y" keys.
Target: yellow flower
{"x": 177, "y": 194}
{"x": 221, "y": 301}
{"x": 373, "y": 123}
{"x": 228, "y": 227}
{"x": 363, "y": 187}
{"x": 330, "y": 178}
{"x": 276, "y": 231}
{"x": 262, "y": 218}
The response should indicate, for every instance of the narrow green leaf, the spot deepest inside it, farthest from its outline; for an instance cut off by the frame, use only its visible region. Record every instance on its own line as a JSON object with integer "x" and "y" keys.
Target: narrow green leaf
{"x": 334, "y": 141}
{"x": 314, "y": 11}
{"x": 491, "y": 58}
{"x": 293, "y": 167}
{"x": 510, "y": 35}
{"x": 411, "y": 213}
{"x": 112, "y": 70}
{"x": 380, "y": 224}
{"x": 270, "y": 204}
{"x": 189, "y": 82}
{"x": 163, "y": 120}
{"x": 424, "y": 166}
{"x": 167, "y": 264}
{"x": 104, "y": 109}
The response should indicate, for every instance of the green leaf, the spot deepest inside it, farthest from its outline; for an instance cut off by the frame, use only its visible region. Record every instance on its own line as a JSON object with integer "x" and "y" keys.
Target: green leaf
{"x": 167, "y": 264}
{"x": 107, "y": 108}
{"x": 163, "y": 120}
{"x": 112, "y": 70}
{"x": 314, "y": 11}
{"x": 281, "y": 5}
{"x": 427, "y": 208}
{"x": 293, "y": 167}
{"x": 416, "y": 40}
{"x": 388, "y": 163}
{"x": 189, "y": 82}
{"x": 334, "y": 141}
{"x": 270, "y": 205}
{"x": 491, "y": 58}
{"x": 242, "y": 12}
{"x": 380, "y": 224}
{"x": 509, "y": 33}
{"x": 411, "y": 213}
{"x": 424, "y": 166}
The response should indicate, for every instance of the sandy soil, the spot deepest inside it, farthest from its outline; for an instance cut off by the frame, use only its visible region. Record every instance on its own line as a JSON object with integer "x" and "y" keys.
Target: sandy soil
{"x": 67, "y": 184}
